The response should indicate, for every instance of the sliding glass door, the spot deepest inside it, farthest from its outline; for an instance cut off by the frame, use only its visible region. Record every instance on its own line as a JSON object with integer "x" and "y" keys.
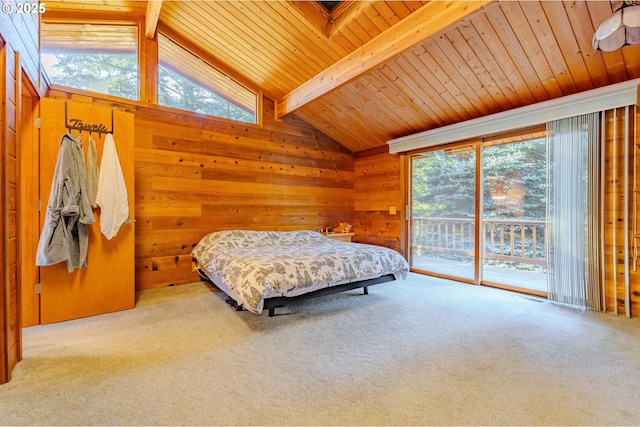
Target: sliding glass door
{"x": 443, "y": 211}
{"x": 514, "y": 207}
{"x": 478, "y": 212}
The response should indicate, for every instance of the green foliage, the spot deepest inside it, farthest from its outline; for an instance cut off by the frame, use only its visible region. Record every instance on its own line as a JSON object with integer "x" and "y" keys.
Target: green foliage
{"x": 523, "y": 168}
{"x": 177, "y": 91}
{"x": 111, "y": 74}
{"x": 443, "y": 185}
{"x": 444, "y": 182}
{"x": 117, "y": 75}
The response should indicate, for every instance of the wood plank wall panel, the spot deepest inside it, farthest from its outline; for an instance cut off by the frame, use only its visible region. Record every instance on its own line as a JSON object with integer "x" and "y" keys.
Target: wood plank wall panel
{"x": 4, "y": 372}
{"x": 194, "y": 175}
{"x": 11, "y": 329}
{"x": 10, "y": 211}
{"x": 614, "y": 224}
{"x": 379, "y": 178}
{"x": 20, "y": 31}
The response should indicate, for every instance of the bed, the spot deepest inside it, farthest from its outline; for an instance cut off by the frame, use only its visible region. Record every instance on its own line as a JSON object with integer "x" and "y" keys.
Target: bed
{"x": 261, "y": 270}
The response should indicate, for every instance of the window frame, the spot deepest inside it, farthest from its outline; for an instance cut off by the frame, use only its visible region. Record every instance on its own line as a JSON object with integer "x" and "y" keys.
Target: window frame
{"x": 138, "y": 25}
{"x": 205, "y": 58}
{"x": 148, "y": 62}
{"x": 519, "y": 135}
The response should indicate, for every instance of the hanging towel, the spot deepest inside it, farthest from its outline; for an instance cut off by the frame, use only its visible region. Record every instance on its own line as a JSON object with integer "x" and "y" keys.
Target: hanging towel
{"x": 112, "y": 191}
{"x": 65, "y": 235}
{"x": 92, "y": 172}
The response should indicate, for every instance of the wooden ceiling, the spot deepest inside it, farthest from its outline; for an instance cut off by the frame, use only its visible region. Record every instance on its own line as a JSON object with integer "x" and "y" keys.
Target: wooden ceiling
{"x": 378, "y": 70}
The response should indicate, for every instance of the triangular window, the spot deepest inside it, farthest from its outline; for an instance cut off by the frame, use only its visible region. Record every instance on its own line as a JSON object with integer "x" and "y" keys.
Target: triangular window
{"x": 188, "y": 83}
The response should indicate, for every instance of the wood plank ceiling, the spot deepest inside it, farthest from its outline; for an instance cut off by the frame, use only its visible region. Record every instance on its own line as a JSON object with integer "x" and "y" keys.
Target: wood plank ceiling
{"x": 505, "y": 55}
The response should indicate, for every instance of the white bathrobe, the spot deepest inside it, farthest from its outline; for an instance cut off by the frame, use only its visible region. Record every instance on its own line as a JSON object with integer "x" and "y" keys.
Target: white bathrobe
{"x": 112, "y": 191}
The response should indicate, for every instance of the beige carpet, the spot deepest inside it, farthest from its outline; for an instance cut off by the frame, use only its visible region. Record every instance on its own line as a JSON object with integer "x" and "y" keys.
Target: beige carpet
{"x": 418, "y": 352}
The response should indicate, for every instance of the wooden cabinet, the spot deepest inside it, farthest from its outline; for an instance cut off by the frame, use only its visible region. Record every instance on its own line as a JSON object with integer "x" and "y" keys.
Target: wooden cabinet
{"x": 108, "y": 282}
{"x": 343, "y": 237}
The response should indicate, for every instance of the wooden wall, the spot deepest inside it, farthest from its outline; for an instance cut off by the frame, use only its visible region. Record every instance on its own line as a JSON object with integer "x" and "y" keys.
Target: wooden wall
{"x": 20, "y": 55}
{"x": 21, "y": 32}
{"x": 10, "y": 211}
{"x": 194, "y": 175}
{"x": 4, "y": 306}
{"x": 379, "y": 186}
{"x": 614, "y": 219}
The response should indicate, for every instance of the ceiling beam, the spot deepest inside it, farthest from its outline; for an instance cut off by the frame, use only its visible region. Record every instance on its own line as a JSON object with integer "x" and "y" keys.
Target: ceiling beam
{"x": 151, "y": 18}
{"x": 420, "y": 25}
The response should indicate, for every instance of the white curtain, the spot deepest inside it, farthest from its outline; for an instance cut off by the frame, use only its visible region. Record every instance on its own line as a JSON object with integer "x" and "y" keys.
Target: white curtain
{"x": 572, "y": 211}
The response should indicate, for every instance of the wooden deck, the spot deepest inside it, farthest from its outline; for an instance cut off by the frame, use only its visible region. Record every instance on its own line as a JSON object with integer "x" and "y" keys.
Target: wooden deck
{"x": 503, "y": 276}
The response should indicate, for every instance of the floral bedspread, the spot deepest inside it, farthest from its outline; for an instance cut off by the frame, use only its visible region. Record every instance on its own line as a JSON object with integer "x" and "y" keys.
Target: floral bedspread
{"x": 264, "y": 264}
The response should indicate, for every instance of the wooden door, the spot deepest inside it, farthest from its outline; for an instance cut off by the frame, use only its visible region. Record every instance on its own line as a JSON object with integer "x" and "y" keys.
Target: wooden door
{"x": 107, "y": 284}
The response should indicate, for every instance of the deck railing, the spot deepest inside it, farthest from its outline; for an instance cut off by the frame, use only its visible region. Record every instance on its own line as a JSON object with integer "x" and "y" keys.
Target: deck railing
{"x": 522, "y": 241}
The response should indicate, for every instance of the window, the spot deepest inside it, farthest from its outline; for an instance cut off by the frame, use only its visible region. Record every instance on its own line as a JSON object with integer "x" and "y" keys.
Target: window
{"x": 188, "y": 83}
{"x": 478, "y": 211}
{"x": 95, "y": 57}
{"x": 514, "y": 208}
{"x": 443, "y": 211}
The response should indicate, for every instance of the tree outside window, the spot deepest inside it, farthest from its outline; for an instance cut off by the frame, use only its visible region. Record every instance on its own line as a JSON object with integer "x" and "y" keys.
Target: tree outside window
{"x": 177, "y": 91}
{"x": 100, "y": 58}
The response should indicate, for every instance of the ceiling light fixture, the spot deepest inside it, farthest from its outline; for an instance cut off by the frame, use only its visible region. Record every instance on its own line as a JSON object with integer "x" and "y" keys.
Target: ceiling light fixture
{"x": 620, "y": 29}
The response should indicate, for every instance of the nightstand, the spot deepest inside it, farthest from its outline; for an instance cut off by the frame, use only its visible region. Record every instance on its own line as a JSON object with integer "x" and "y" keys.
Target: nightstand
{"x": 343, "y": 237}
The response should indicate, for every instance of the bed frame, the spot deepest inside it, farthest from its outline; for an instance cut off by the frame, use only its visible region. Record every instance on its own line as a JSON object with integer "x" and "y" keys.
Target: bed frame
{"x": 272, "y": 303}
